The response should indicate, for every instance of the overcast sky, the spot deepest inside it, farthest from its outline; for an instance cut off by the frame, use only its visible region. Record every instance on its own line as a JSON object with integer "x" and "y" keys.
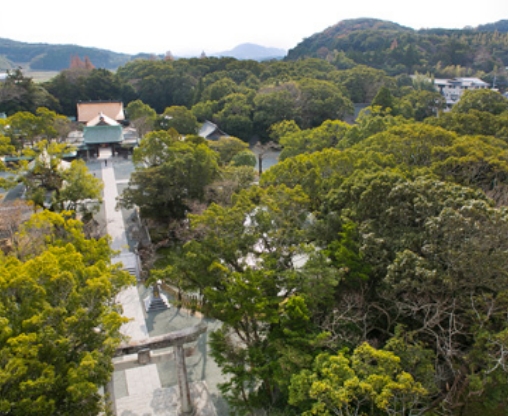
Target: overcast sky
{"x": 193, "y": 26}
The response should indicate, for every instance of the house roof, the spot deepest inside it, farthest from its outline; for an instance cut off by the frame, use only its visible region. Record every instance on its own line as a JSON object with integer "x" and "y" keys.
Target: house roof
{"x": 466, "y": 82}
{"x": 102, "y": 119}
{"x": 472, "y": 81}
{"x": 441, "y": 81}
{"x": 89, "y": 110}
{"x": 211, "y": 131}
{"x": 103, "y": 134}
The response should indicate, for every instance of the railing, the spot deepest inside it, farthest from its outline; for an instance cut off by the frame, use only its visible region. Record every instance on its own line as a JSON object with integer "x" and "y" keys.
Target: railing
{"x": 194, "y": 302}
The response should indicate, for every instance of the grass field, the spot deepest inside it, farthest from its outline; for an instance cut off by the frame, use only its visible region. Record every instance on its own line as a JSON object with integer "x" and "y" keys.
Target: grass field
{"x": 40, "y": 76}
{"x": 37, "y": 76}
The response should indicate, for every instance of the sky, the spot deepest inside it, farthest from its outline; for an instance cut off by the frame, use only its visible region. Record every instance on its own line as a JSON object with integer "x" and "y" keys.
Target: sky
{"x": 189, "y": 27}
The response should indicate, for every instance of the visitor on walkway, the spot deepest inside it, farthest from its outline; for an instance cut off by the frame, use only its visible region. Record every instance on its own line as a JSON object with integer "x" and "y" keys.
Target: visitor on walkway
{"x": 106, "y": 162}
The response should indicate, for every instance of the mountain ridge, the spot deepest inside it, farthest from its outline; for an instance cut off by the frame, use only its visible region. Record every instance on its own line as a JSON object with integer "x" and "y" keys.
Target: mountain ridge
{"x": 56, "y": 57}
{"x": 398, "y": 49}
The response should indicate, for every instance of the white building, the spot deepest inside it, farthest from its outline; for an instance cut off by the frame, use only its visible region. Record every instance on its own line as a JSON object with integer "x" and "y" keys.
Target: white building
{"x": 452, "y": 89}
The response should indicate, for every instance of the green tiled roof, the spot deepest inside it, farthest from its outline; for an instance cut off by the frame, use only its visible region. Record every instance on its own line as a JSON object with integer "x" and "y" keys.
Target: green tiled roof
{"x": 103, "y": 134}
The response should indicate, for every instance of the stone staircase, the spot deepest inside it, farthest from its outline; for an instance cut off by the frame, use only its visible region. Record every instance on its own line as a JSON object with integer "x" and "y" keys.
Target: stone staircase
{"x": 129, "y": 262}
{"x": 156, "y": 303}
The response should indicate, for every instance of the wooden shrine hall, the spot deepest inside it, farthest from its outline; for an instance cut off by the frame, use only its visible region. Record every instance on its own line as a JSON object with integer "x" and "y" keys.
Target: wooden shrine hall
{"x": 103, "y": 128}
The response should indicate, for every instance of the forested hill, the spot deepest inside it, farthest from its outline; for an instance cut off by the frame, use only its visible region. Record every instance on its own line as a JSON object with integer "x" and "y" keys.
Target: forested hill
{"x": 500, "y": 26}
{"x": 41, "y": 56}
{"x": 398, "y": 49}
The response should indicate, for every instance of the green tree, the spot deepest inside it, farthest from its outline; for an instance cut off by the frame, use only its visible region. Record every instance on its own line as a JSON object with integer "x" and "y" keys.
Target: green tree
{"x": 102, "y": 84}
{"x": 219, "y": 90}
{"x": 475, "y": 161}
{"x": 205, "y": 110}
{"x": 20, "y": 93}
{"x": 458, "y": 280}
{"x": 317, "y": 173}
{"x": 235, "y": 117}
{"x": 179, "y": 118}
{"x": 321, "y": 101}
{"x": 328, "y": 135}
{"x": 244, "y": 158}
{"x": 228, "y": 148}
{"x": 24, "y": 128}
{"x": 169, "y": 175}
{"x": 81, "y": 191}
{"x": 159, "y": 84}
{"x": 403, "y": 225}
{"x": 473, "y": 122}
{"x": 59, "y": 326}
{"x": 423, "y": 82}
{"x": 362, "y": 82}
{"x": 424, "y": 103}
{"x": 370, "y": 121}
{"x": 384, "y": 99}
{"x": 250, "y": 251}
{"x": 68, "y": 87}
{"x": 142, "y": 116}
{"x": 482, "y": 100}
{"x": 409, "y": 144}
{"x": 275, "y": 104}
{"x": 53, "y": 125}
{"x": 282, "y": 128}
{"x": 233, "y": 179}
{"x": 349, "y": 385}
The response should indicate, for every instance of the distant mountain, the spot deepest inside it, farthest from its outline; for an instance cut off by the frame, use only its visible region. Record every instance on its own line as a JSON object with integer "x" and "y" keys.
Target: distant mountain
{"x": 253, "y": 51}
{"x": 500, "y": 26}
{"x": 46, "y": 57}
{"x": 5, "y": 64}
{"x": 397, "y": 49}
{"x": 335, "y": 36}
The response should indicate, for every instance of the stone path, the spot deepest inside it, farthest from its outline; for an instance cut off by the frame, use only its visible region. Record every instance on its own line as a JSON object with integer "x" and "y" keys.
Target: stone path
{"x": 150, "y": 389}
{"x": 164, "y": 402}
{"x": 136, "y": 329}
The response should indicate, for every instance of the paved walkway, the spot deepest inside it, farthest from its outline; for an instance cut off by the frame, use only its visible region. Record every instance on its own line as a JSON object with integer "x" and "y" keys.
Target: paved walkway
{"x": 136, "y": 329}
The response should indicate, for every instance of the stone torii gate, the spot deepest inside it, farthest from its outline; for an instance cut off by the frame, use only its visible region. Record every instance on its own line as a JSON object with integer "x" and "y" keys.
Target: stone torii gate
{"x": 177, "y": 340}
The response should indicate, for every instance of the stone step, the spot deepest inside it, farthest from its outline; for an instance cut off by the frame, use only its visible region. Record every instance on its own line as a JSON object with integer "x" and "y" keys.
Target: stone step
{"x": 156, "y": 303}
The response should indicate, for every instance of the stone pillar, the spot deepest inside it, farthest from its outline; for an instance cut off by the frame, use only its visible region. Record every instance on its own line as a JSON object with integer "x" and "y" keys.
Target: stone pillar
{"x": 144, "y": 356}
{"x": 183, "y": 383}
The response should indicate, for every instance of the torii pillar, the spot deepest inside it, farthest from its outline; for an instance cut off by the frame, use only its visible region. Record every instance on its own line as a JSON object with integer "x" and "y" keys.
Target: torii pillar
{"x": 183, "y": 382}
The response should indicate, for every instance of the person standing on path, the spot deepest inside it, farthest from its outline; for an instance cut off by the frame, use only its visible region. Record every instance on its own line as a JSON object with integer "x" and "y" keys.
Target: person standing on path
{"x": 106, "y": 162}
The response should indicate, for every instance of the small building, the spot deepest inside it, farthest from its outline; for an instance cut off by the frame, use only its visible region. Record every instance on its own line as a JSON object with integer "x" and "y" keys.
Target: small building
{"x": 211, "y": 131}
{"x": 452, "y": 89}
{"x": 103, "y": 129}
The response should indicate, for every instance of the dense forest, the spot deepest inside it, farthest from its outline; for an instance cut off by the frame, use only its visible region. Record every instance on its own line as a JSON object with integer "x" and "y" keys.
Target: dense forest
{"x": 397, "y": 49}
{"x": 363, "y": 274}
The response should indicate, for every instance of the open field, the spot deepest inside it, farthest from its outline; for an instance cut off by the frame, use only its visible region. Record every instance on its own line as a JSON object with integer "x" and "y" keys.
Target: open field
{"x": 40, "y": 76}
{"x": 37, "y": 76}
